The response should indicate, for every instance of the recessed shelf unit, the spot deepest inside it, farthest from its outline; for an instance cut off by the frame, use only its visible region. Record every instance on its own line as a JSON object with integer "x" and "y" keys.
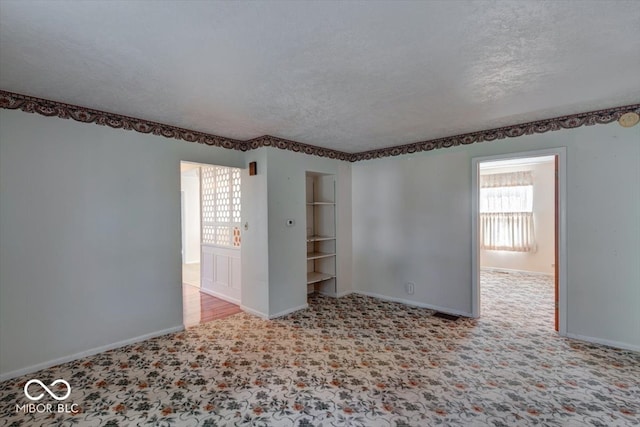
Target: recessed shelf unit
{"x": 319, "y": 238}
{"x": 321, "y": 233}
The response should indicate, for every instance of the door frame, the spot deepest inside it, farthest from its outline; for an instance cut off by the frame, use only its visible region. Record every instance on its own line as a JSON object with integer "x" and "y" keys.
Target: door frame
{"x": 182, "y": 221}
{"x": 561, "y": 227}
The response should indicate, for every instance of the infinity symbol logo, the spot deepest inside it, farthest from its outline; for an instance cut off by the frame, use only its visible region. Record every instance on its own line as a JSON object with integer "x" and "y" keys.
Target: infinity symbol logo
{"x": 47, "y": 389}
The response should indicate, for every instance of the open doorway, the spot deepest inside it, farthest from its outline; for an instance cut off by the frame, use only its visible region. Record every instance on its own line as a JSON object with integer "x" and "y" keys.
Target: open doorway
{"x": 210, "y": 202}
{"x": 190, "y": 201}
{"x": 518, "y": 239}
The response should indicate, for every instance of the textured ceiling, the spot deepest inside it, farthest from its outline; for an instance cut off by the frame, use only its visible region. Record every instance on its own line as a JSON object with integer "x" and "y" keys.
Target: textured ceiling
{"x": 349, "y": 76}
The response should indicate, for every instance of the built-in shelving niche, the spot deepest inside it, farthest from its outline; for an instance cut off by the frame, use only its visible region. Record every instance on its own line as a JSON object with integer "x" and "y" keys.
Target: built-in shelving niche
{"x": 321, "y": 233}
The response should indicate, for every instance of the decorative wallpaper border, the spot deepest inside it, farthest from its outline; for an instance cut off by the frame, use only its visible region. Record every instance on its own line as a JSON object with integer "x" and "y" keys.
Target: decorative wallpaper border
{"x": 605, "y": 116}
{"x": 298, "y": 147}
{"x": 45, "y": 107}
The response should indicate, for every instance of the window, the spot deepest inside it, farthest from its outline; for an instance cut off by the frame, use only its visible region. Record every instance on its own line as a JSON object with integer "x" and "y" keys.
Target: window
{"x": 506, "y": 212}
{"x": 220, "y": 188}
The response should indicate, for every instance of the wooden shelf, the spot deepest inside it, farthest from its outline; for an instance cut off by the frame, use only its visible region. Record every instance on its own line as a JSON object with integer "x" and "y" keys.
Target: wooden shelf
{"x": 315, "y": 277}
{"x": 318, "y": 255}
{"x": 321, "y": 232}
{"x": 319, "y": 238}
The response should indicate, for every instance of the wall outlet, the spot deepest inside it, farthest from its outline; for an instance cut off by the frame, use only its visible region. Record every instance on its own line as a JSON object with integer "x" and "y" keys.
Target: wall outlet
{"x": 410, "y": 287}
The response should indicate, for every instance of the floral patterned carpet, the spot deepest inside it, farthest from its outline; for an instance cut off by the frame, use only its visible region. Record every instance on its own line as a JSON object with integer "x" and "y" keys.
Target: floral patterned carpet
{"x": 355, "y": 361}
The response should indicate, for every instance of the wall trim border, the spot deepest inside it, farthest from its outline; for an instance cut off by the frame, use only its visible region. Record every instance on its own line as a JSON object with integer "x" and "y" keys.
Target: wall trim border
{"x": 572, "y": 121}
{"x": 599, "y": 341}
{"x": 49, "y": 108}
{"x": 511, "y": 270}
{"x": 253, "y": 312}
{"x": 414, "y": 303}
{"x": 288, "y": 311}
{"x": 220, "y": 295}
{"x": 91, "y": 352}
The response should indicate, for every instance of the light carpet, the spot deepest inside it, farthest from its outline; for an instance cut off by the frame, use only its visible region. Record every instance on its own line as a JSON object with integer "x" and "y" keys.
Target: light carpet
{"x": 355, "y": 361}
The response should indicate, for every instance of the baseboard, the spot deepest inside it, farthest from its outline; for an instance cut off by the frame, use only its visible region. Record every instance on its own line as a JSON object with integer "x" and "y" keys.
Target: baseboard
{"x": 415, "y": 303}
{"x": 334, "y": 295}
{"x": 272, "y": 316}
{"x": 193, "y": 285}
{"x": 615, "y": 344}
{"x": 221, "y": 296}
{"x": 254, "y": 312}
{"x": 289, "y": 311}
{"x": 87, "y": 353}
{"x": 508, "y": 270}
{"x": 328, "y": 294}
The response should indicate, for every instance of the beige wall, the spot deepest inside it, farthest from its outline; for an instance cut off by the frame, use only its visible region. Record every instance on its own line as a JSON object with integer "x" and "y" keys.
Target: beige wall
{"x": 274, "y": 255}
{"x": 90, "y": 237}
{"x": 412, "y": 222}
{"x": 90, "y": 228}
{"x": 542, "y": 259}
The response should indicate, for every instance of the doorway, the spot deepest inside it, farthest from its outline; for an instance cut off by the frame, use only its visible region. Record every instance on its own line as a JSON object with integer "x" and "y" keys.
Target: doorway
{"x": 190, "y": 206}
{"x": 210, "y": 202}
{"x": 518, "y": 238}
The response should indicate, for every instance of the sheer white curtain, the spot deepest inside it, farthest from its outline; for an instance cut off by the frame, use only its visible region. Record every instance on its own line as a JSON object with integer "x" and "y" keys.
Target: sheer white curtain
{"x": 506, "y": 212}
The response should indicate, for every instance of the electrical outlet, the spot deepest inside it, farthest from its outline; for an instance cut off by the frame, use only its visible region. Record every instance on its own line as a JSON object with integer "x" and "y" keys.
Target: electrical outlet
{"x": 410, "y": 287}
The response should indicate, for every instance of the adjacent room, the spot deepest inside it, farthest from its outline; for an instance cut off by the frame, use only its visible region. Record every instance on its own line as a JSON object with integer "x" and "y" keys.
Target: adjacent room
{"x": 517, "y": 239}
{"x": 210, "y": 218}
{"x": 319, "y": 213}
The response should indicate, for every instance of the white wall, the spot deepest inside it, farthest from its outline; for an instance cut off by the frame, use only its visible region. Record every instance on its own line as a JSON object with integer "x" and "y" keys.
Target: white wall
{"x": 221, "y": 273}
{"x": 407, "y": 228}
{"x": 190, "y": 185}
{"x": 80, "y": 258}
{"x": 89, "y": 236}
{"x": 542, "y": 259}
{"x": 254, "y": 249}
{"x": 412, "y": 218}
{"x": 287, "y": 245}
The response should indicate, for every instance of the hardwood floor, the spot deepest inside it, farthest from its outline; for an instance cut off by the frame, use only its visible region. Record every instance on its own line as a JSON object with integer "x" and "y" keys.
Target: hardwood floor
{"x": 199, "y": 307}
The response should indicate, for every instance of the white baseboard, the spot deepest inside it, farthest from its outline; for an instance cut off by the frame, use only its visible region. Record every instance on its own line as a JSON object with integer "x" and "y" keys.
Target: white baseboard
{"x": 328, "y": 294}
{"x": 508, "y": 270}
{"x": 254, "y": 312}
{"x": 339, "y": 294}
{"x": 86, "y": 353}
{"x": 289, "y": 311}
{"x": 193, "y": 285}
{"x": 221, "y": 296}
{"x": 334, "y": 295}
{"x": 272, "y": 316}
{"x": 615, "y": 344}
{"x": 415, "y": 303}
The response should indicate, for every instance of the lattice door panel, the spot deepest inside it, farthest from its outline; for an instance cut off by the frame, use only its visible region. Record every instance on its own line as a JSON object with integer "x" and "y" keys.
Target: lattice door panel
{"x": 220, "y": 195}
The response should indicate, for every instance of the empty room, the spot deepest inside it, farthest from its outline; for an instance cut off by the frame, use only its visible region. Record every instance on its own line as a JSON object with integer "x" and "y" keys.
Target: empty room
{"x": 289, "y": 213}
